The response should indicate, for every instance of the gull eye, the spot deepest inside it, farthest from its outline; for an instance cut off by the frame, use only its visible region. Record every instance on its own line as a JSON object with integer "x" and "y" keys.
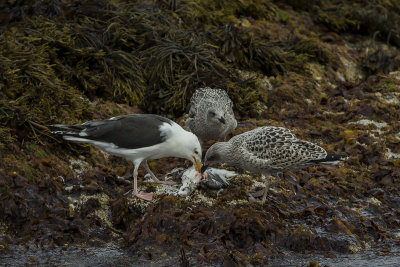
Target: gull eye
{"x": 196, "y": 152}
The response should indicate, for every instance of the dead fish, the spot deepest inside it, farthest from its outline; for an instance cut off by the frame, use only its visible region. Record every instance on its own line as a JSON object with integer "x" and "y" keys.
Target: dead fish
{"x": 215, "y": 179}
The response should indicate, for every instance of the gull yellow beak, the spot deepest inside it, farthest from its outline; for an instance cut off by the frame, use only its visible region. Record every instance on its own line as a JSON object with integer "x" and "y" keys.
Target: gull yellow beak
{"x": 197, "y": 165}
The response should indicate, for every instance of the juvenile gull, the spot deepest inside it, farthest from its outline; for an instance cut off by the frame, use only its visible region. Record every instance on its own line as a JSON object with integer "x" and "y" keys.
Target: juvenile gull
{"x": 211, "y": 116}
{"x": 138, "y": 138}
{"x": 268, "y": 150}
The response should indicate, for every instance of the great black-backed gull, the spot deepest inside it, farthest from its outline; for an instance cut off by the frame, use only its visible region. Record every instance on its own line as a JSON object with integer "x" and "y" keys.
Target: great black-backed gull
{"x": 138, "y": 138}
{"x": 268, "y": 151}
{"x": 211, "y": 116}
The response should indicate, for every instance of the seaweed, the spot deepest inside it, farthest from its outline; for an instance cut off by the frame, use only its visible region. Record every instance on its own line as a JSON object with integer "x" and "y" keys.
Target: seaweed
{"x": 364, "y": 17}
{"x": 205, "y": 14}
{"x": 15, "y": 11}
{"x": 315, "y": 50}
{"x": 246, "y": 49}
{"x": 380, "y": 58}
{"x": 34, "y": 93}
{"x": 175, "y": 66}
{"x": 360, "y": 17}
{"x": 72, "y": 61}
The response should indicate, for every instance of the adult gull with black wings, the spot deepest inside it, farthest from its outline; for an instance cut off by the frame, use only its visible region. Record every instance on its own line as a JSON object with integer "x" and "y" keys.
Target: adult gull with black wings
{"x": 137, "y": 138}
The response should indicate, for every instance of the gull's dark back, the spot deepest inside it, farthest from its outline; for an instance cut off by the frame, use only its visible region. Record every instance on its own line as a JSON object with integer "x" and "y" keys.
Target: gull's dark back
{"x": 129, "y": 131}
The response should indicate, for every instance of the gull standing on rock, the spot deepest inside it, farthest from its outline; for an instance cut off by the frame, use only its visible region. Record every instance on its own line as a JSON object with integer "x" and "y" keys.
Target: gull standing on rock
{"x": 268, "y": 150}
{"x": 138, "y": 138}
{"x": 211, "y": 116}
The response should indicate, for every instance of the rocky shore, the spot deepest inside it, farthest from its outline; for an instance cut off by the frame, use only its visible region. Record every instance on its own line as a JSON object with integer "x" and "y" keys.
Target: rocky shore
{"x": 329, "y": 71}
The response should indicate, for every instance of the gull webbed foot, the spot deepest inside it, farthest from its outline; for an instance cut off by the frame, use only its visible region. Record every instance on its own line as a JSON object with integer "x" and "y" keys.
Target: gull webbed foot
{"x": 144, "y": 196}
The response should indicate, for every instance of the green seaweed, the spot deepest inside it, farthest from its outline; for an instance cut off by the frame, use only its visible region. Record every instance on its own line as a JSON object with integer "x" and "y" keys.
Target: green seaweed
{"x": 209, "y": 13}
{"x": 178, "y": 64}
{"x": 42, "y": 153}
{"x": 314, "y": 50}
{"x": 366, "y": 17}
{"x": 246, "y": 49}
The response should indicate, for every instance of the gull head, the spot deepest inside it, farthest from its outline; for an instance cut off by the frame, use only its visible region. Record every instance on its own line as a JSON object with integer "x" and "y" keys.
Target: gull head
{"x": 214, "y": 155}
{"x": 216, "y": 116}
{"x": 190, "y": 148}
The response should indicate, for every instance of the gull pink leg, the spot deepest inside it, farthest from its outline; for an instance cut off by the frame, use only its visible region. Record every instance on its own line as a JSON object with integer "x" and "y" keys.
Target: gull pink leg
{"x": 266, "y": 189}
{"x": 263, "y": 192}
{"x": 155, "y": 179}
{"x": 142, "y": 195}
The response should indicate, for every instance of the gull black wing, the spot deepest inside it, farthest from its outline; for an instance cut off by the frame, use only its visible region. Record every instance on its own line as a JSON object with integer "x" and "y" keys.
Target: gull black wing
{"x": 129, "y": 131}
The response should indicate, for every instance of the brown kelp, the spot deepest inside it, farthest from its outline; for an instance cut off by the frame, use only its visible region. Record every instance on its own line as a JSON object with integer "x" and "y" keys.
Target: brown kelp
{"x": 361, "y": 17}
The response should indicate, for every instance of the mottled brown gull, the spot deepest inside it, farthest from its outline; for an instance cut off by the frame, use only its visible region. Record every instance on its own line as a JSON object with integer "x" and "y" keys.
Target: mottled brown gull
{"x": 268, "y": 150}
{"x": 137, "y": 138}
{"x": 211, "y": 116}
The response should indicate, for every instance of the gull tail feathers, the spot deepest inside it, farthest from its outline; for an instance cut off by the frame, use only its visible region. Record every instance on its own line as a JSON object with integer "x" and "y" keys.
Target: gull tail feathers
{"x": 330, "y": 159}
{"x": 70, "y": 130}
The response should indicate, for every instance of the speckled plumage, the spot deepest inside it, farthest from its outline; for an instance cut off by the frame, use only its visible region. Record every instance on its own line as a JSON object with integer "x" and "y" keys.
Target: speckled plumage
{"x": 268, "y": 150}
{"x": 273, "y": 149}
{"x": 211, "y": 116}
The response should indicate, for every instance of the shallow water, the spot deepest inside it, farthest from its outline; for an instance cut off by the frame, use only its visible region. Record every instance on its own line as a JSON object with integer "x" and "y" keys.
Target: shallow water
{"x": 72, "y": 256}
{"x": 114, "y": 255}
{"x": 371, "y": 258}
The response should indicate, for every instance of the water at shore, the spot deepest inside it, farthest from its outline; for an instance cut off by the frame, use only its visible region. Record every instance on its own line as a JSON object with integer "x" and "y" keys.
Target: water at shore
{"x": 113, "y": 255}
